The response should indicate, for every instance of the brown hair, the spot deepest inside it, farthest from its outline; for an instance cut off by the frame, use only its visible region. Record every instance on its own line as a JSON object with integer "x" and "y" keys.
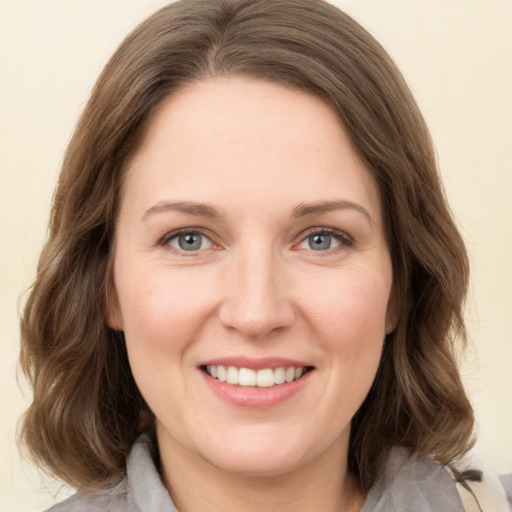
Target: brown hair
{"x": 87, "y": 410}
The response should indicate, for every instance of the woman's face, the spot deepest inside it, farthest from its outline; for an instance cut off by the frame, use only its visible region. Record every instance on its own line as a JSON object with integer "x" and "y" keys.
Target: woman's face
{"x": 250, "y": 247}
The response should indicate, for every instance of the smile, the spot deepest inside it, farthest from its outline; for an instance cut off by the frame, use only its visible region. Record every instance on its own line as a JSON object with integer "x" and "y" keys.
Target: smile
{"x": 263, "y": 378}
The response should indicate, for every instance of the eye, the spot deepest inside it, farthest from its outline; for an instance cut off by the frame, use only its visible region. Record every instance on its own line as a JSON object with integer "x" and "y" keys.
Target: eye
{"x": 189, "y": 241}
{"x": 324, "y": 240}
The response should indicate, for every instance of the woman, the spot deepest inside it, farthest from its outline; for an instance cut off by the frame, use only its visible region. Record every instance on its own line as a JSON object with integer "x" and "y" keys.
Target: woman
{"x": 252, "y": 277}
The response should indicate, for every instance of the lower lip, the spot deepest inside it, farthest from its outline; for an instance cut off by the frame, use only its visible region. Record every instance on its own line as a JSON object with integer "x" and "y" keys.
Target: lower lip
{"x": 255, "y": 397}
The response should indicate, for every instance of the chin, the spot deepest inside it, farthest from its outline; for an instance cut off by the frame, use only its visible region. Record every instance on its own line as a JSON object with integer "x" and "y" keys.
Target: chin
{"x": 258, "y": 455}
{"x": 259, "y": 464}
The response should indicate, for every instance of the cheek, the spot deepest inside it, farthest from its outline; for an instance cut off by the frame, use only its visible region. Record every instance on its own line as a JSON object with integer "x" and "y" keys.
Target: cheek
{"x": 348, "y": 322}
{"x": 351, "y": 310}
{"x": 162, "y": 316}
{"x": 161, "y": 307}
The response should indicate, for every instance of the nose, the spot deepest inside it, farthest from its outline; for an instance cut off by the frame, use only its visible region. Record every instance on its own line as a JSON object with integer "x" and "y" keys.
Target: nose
{"x": 257, "y": 302}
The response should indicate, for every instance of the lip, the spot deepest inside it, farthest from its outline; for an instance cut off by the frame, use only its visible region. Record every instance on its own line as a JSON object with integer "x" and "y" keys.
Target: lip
{"x": 255, "y": 397}
{"x": 256, "y": 364}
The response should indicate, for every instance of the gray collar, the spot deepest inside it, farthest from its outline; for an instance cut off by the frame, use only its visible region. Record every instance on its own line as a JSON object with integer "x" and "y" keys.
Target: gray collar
{"x": 146, "y": 491}
{"x": 408, "y": 483}
{"x": 412, "y": 483}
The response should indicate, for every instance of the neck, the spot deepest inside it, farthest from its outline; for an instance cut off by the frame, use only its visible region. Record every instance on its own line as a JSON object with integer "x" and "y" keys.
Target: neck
{"x": 195, "y": 485}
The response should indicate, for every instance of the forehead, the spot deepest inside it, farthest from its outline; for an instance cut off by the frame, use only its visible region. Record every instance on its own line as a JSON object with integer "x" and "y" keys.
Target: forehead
{"x": 225, "y": 137}
{"x": 239, "y": 109}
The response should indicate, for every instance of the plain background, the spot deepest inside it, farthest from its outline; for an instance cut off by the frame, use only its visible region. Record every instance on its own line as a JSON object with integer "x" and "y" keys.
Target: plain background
{"x": 457, "y": 58}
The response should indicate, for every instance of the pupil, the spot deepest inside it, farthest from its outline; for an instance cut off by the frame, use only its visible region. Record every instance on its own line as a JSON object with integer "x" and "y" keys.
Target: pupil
{"x": 190, "y": 242}
{"x": 319, "y": 242}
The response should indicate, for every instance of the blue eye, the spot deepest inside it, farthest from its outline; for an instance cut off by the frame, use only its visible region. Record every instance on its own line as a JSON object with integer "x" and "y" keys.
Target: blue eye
{"x": 324, "y": 240}
{"x": 189, "y": 241}
{"x": 320, "y": 242}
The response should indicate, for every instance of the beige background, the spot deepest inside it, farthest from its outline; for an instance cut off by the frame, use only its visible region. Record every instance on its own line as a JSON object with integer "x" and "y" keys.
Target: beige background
{"x": 457, "y": 57}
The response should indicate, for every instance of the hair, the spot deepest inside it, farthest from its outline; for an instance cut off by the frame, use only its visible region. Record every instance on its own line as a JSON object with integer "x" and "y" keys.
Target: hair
{"x": 87, "y": 410}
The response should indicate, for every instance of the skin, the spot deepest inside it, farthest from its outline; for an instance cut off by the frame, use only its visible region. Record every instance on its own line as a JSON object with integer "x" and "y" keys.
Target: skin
{"x": 254, "y": 151}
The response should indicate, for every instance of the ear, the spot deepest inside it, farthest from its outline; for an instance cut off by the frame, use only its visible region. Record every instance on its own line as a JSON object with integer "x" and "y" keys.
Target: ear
{"x": 114, "y": 317}
{"x": 392, "y": 311}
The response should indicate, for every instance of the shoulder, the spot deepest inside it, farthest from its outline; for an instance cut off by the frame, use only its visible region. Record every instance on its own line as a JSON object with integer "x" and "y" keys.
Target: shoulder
{"x": 141, "y": 489}
{"x": 110, "y": 500}
{"x": 409, "y": 482}
{"x": 115, "y": 502}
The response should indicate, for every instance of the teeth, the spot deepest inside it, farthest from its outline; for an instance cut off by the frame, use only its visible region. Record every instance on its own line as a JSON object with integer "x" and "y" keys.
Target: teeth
{"x": 232, "y": 375}
{"x": 265, "y": 378}
{"x": 221, "y": 373}
{"x": 279, "y": 376}
{"x": 246, "y": 377}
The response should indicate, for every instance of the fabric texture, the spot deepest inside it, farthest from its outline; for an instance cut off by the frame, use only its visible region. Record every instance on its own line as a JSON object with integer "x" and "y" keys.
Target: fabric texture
{"x": 413, "y": 484}
{"x": 506, "y": 482}
{"x": 406, "y": 484}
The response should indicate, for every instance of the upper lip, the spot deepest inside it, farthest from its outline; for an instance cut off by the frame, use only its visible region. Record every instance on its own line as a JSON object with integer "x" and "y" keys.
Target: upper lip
{"x": 255, "y": 363}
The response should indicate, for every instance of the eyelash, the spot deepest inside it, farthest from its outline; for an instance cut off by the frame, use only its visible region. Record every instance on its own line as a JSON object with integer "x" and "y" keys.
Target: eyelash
{"x": 344, "y": 239}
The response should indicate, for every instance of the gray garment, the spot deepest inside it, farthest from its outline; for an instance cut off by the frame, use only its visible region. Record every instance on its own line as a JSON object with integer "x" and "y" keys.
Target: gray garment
{"x": 408, "y": 484}
{"x": 413, "y": 484}
{"x": 506, "y": 481}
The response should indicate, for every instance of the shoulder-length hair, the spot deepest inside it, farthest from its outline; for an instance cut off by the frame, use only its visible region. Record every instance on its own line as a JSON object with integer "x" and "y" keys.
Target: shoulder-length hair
{"x": 87, "y": 410}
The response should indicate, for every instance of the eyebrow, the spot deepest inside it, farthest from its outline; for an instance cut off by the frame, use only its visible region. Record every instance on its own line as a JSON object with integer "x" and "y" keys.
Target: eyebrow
{"x": 300, "y": 211}
{"x": 311, "y": 209}
{"x": 187, "y": 207}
